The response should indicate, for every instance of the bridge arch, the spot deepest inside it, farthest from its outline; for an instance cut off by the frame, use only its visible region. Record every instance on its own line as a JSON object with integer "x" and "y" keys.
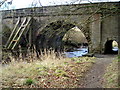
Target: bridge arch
{"x": 52, "y": 35}
{"x": 111, "y": 47}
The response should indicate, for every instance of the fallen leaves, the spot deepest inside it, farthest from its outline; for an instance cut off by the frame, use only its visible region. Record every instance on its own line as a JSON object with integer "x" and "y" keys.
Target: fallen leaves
{"x": 66, "y": 74}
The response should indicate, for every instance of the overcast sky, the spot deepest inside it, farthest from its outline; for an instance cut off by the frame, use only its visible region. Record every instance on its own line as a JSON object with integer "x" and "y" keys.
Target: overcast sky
{"x": 28, "y": 3}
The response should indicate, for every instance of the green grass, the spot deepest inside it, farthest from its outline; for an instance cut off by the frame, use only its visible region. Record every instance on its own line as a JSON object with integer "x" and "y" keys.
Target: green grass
{"x": 47, "y": 72}
{"x": 112, "y": 75}
{"x": 29, "y": 81}
{"x": 118, "y": 58}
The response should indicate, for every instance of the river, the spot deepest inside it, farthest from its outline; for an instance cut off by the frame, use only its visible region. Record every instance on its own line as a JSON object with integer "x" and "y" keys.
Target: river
{"x": 76, "y": 53}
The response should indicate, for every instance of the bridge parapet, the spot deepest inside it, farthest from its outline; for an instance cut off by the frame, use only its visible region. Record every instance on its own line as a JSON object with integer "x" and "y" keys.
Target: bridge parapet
{"x": 76, "y": 9}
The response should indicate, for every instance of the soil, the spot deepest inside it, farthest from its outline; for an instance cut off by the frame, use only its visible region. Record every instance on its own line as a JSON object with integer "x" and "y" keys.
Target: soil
{"x": 94, "y": 77}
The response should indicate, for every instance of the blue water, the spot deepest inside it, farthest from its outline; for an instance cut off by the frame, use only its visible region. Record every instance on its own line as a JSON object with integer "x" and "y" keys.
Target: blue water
{"x": 76, "y": 53}
{"x": 115, "y": 49}
{"x": 80, "y": 52}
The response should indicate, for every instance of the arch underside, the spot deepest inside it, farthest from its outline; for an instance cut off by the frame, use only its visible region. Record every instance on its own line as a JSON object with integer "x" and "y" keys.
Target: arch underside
{"x": 51, "y": 36}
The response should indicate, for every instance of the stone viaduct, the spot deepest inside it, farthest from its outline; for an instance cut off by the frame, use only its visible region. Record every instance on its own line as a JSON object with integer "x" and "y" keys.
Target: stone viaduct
{"x": 99, "y": 22}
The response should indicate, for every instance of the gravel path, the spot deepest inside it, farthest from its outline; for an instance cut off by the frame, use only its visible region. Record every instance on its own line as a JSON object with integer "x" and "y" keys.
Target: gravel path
{"x": 93, "y": 78}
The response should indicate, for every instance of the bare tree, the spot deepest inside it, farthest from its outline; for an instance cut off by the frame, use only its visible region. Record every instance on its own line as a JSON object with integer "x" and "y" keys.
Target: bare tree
{"x": 4, "y": 4}
{"x": 36, "y": 3}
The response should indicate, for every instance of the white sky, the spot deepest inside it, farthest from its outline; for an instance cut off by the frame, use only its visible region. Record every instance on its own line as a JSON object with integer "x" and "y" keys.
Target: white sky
{"x": 27, "y": 3}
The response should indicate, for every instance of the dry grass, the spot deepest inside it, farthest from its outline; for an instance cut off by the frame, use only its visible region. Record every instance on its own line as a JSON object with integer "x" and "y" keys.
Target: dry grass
{"x": 112, "y": 75}
{"x": 49, "y": 71}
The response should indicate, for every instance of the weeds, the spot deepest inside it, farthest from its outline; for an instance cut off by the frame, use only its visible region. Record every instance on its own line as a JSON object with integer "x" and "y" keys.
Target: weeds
{"x": 47, "y": 71}
{"x": 111, "y": 77}
{"x": 118, "y": 58}
{"x": 29, "y": 82}
{"x": 60, "y": 73}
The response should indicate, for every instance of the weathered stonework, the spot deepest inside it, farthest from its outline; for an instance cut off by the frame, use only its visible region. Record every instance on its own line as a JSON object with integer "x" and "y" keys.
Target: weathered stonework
{"x": 98, "y": 22}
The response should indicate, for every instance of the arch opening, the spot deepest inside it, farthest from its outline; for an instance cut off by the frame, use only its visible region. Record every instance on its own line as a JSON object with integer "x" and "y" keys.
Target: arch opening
{"x": 74, "y": 37}
{"x": 76, "y": 43}
{"x": 111, "y": 47}
{"x": 61, "y": 36}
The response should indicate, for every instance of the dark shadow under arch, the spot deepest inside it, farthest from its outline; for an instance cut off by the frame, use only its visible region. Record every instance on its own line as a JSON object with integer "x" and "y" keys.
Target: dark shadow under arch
{"x": 109, "y": 47}
{"x": 51, "y": 36}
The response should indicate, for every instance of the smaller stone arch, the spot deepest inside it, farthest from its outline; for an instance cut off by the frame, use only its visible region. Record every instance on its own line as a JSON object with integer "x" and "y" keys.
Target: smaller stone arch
{"x": 111, "y": 47}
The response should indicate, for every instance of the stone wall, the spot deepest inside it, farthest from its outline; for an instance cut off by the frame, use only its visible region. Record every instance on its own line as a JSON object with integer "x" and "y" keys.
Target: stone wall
{"x": 109, "y": 29}
{"x": 0, "y": 30}
{"x": 0, "y": 36}
{"x": 119, "y": 34}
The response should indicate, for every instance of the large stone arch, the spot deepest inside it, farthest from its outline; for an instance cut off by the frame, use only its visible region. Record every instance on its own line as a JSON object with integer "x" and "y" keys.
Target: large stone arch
{"x": 52, "y": 34}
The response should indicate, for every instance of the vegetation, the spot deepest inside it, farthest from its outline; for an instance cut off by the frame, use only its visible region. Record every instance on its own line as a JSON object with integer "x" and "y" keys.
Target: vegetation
{"x": 49, "y": 71}
{"x": 114, "y": 44}
{"x": 112, "y": 75}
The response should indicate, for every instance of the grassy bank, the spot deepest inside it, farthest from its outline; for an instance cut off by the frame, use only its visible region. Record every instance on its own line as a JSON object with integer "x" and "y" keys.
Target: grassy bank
{"x": 47, "y": 72}
{"x": 112, "y": 75}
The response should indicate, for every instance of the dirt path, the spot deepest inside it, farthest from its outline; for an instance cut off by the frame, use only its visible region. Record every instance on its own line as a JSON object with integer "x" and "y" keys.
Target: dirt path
{"x": 93, "y": 78}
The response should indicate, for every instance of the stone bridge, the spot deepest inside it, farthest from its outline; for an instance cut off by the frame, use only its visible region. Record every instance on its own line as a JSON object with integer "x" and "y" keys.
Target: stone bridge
{"x": 99, "y": 22}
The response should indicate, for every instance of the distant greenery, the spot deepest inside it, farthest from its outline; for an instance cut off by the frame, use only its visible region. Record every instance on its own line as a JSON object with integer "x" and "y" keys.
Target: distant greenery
{"x": 114, "y": 44}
